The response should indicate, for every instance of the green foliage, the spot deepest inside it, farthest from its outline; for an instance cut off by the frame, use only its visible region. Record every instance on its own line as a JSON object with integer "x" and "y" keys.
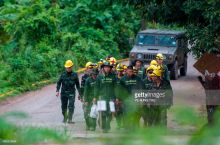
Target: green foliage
{"x": 41, "y": 35}
{"x": 204, "y": 26}
{"x": 11, "y": 134}
{"x": 201, "y": 18}
{"x": 208, "y": 134}
{"x": 38, "y": 36}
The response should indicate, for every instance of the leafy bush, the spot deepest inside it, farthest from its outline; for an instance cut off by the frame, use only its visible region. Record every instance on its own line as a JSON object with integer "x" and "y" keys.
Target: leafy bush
{"x": 41, "y": 35}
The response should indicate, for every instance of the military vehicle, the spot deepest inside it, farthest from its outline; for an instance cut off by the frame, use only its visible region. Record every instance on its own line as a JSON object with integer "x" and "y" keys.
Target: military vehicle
{"x": 172, "y": 44}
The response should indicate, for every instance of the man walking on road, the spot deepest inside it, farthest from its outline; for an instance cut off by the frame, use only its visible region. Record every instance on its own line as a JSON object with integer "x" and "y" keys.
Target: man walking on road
{"x": 89, "y": 66}
{"x": 68, "y": 80}
{"x": 131, "y": 83}
{"x": 105, "y": 84}
{"x": 138, "y": 64}
{"x": 88, "y": 98}
{"x": 163, "y": 67}
{"x": 158, "y": 112}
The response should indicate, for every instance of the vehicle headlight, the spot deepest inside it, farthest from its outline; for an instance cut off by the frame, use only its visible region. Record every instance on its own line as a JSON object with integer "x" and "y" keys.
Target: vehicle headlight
{"x": 139, "y": 56}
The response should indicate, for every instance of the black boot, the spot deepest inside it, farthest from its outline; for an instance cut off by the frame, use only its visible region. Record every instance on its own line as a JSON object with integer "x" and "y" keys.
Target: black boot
{"x": 64, "y": 117}
{"x": 70, "y": 117}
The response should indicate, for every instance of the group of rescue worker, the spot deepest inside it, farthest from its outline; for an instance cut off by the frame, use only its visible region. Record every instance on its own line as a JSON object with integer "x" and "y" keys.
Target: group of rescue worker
{"x": 113, "y": 82}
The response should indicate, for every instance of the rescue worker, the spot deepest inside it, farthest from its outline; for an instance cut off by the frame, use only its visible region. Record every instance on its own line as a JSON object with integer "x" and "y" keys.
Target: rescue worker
{"x": 85, "y": 76}
{"x": 138, "y": 64}
{"x": 119, "y": 106}
{"x": 113, "y": 63}
{"x": 95, "y": 65}
{"x": 148, "y": 83}
{"x": 131, "y": 83}
{"x": 105, "y": 84}
{"x": 153, "y": 63}
{"x": 88, "y": 66}
{"x": 88, "y": 97}
{"x": 158, "y": 112}
{"x": 125, "y": 68}
{"x": 148, "y": 80}
{"x": 163, "y": 67}
{"x": 69, "y": 80}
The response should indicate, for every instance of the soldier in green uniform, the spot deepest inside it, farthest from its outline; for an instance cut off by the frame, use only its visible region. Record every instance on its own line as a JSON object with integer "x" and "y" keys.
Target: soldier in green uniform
{"x": 158, "y": 112}
{"x": 69, "y": 80}
{"x": 119, "y": 105}
{"x": 130, "y": 84}
{"x": 163, "y": 67}
{"x": 148, "y": 83}
{"x": 138, "y": 64}
{"x": 89, "y": 66}
{"x": 88, "y": 97}
{"x": 105, "y": 84}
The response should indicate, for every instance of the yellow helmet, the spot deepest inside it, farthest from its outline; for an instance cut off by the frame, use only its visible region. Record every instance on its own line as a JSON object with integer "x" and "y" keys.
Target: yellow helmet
{"x": 156, "y": 73}
{"x": 153, "y": 62}
{"x": 112, "y": 61}
{"x": 159, "y": 56}
{"x": 119, "y": 67}
{"x": 68, "y": 63}
{"x": 160, "y": 68}
{"x": 151, "y": 67}
{"x": 88, "y": 65}
{"x": 124, "y": 67}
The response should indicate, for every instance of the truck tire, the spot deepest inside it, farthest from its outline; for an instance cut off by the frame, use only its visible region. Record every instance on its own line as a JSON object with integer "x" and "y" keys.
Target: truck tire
{"x": 183, "y": 70}
{"x": 174, "y": 71}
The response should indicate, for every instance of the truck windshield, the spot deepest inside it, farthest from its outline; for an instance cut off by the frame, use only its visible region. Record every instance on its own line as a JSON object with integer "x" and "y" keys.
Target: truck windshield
{"x": 156, "y": 40}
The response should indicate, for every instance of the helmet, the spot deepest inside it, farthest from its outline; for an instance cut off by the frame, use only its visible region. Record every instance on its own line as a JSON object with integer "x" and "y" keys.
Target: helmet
{"x": 106, "y": 63}
{"x": 119, "y": 67}
{"x": 156, "y": 73}
{"x": 151, "y": 67}
{"x": 159, "y": 56}
{"x": 95, "y": 65}
{"x": 89, "y": 64}
{"x": 68, "y": 63}
{"x": 112, "y": 61}
{"x": 124, "y": 67}
{"x": 153, "y": 62}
